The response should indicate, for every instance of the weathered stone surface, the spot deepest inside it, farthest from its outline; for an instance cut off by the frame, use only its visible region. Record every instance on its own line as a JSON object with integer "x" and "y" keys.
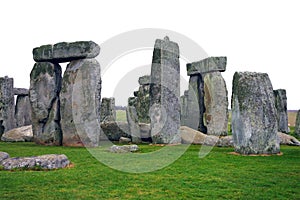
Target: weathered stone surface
{"x": 124, "y": 140}
{"x": 7, "y": 104}
{"x": 3, "y": 156}
{"x": 142, "y": 104}
{"x": 145, "y": 132}
{"x": 113, "y": 131}
{"x": 195, "y": 104}
{"x": 216, "y": 104}
{"x": 123, "y": 149}
{"x": 226, "y": 141}
{"x": 211, "y": 64}
{"x": 108, "y": 111}
{"x": 288, "y": 140}
{"x": 80, "y": 103}
{"x": 45, "y": 85}
{"x": 23, "y": 111}
{"x": 50, "y": 161}
{"x": 191, "y": 136}
{"x": 281, "y": 106}
{"x": 183, "y": 108}
{"x": 297, "y": 124}
{"x": 21, "y": 91}
{"x": 254, "y": 117}
{"x": 144, "y": 80}
{"x": 165, "y": 92}
{"x": 66, "y": 52}
{"x": 133, "y": 122}
{"x": 21, "y": 134}
{"x": 132, "y": 101}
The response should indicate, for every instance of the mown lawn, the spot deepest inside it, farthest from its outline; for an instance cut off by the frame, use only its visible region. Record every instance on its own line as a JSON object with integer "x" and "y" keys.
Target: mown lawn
{"x": 219, "y": 175}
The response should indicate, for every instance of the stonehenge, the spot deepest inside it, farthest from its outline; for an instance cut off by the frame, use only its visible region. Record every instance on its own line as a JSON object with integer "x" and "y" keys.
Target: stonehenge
{"x": 66, "y": 108}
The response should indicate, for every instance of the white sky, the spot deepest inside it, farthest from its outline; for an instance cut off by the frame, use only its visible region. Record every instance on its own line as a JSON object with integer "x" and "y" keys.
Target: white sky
{"x": 256, "y": 35}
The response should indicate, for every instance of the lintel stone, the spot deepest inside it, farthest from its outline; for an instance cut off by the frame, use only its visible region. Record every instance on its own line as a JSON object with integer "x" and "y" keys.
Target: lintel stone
{"x": 211, "y": 64}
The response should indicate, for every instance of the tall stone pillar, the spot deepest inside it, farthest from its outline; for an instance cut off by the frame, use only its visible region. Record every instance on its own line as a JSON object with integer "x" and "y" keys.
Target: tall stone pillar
{"x": 297, "y": 124}
{"x": 254, "y": 115}
{"x": 108, "y": 110}
{"x": 7, "y": 104}
{"x": 165, "y": 92}
{"x": 281, "y": 106}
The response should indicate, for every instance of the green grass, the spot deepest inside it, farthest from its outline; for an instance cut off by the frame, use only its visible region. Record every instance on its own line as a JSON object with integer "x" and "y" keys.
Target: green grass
{"x": 121, "y": 116}
{"x": 217, "y": 176}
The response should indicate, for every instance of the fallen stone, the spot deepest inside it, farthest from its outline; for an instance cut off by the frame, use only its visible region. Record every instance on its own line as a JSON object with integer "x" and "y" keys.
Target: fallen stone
{"x": 21, "y": 91}
{"x": 123, "y": 149}
{"x": 124, "y": 140}
{"x": 191, "y": 136}
{"x": 216, "y": 104}
{"x": 165, "y": 92}
{"x": 113, "y": 131}
{"x": 66, "y": 52}
{"x": 144, "y": 80}
{"x": 50, "y": 161}
{"x": 281, "y": 106}
{"x": 21, "y": 134}
{"x": 211, "y": 64}
{"x": 226, "y": 141}
{"x": 80, "y": 103}
{"x": 3, "y": 156}
{"x": 254, "y": 115}
{"x": 287, "y": 139}
{"x": 45, "y": 85}
{"x": 23, "y": 111}
{"x": 297, "y": 124}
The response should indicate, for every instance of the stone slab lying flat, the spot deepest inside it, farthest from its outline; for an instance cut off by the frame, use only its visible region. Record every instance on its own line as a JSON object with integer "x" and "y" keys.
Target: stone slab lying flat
{"x": 211, "y": 64}
{"x": 66, "y": 52}
{"x": 50, "y": 161}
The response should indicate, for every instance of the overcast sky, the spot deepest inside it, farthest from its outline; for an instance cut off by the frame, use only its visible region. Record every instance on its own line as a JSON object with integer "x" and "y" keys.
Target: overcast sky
{"x": 256, "y": 35}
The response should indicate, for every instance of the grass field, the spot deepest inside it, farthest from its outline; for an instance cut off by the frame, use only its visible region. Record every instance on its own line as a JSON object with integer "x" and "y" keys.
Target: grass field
{"x": 121, "y": 115}
{"x": 217, "y": 176}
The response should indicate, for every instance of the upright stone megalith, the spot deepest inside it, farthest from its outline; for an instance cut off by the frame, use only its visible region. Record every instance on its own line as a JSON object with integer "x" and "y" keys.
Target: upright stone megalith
{"x": 133, "y": 124}
{"x": 45, "y": 85}
{"x": 254, "y": 116}
{"x": 165, "y": 92}
{"x": 297, "y": 124}
{"x": 23, "y": 111}
{"x": 7, "y": 104}
{"x": 281, "y": 106}
{"x": 108, "y": 110}
{"x": 80, "y": 103}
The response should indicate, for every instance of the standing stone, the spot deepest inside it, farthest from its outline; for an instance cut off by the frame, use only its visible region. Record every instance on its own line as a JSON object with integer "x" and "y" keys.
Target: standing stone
{"x": 23, "y": 111}
{"x": 45, "y": 85}
{"x": 183, "y": 108}
{"x": 281, "y": 106}
{"x": 108, "y": 111}
{"x": 254, "y": 117}
{"x": 195, "y": 104}
{"x": 165, "y": 92}
{"x": 7, "y": 104}
{"x": 133, "y": 123}
{"x": 143, "y": 99}
{"x": 80, "y": 103}
{"x": 297, "y": 124}
{"x": 216, "y": 104}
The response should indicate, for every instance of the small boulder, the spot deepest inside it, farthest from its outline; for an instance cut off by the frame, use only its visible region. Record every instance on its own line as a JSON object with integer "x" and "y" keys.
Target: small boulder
{"x": 21, "y": 134}
{"x": 3, "y": 156}
{"x": 123, "y": 149}
{"x": 124, "y": 140}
